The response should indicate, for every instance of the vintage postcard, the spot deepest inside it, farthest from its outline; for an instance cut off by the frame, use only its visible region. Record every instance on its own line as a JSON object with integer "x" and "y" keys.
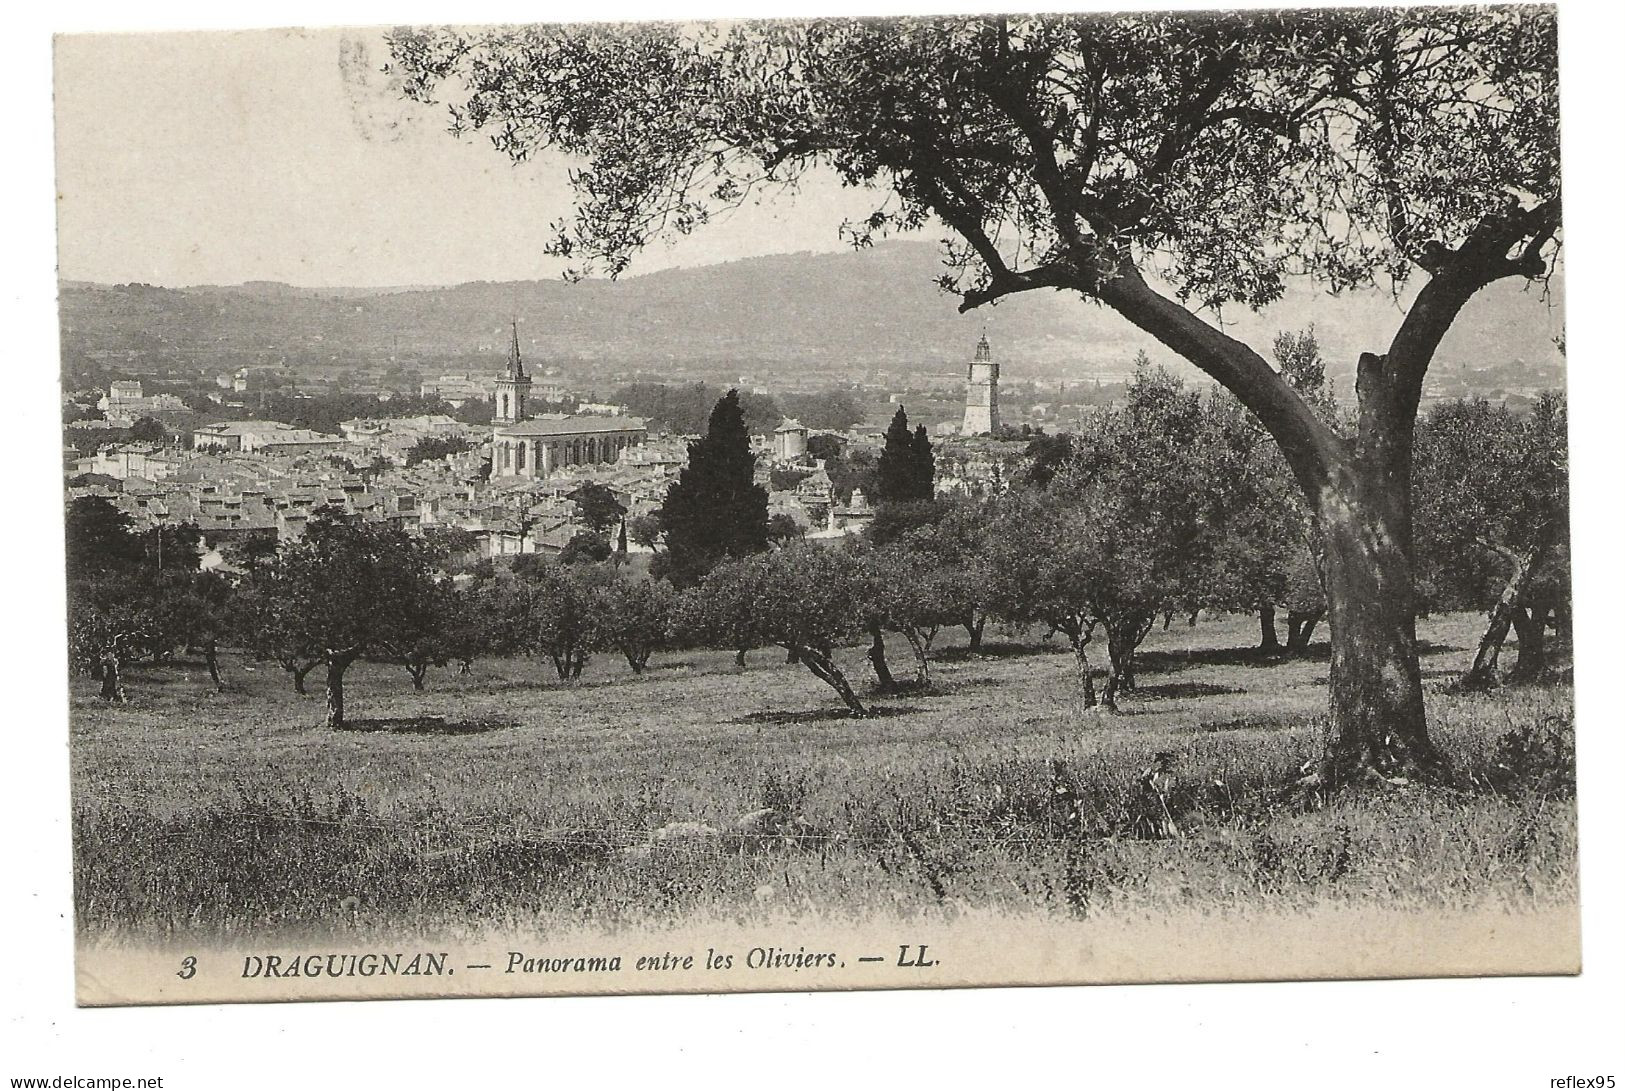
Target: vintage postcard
{"x": 824, "y": 504}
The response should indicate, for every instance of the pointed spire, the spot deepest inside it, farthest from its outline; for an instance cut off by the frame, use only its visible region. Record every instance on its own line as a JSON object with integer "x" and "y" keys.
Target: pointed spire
{"x": 516, "y": 368}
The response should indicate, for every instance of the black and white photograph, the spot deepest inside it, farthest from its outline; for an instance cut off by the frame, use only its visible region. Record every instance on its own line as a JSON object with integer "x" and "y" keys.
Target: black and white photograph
{"x": 821, "y": 503}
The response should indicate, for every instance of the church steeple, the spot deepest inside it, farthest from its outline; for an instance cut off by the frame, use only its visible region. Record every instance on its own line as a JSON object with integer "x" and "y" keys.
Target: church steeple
{"x": 513, "y": 386}
{"x": 516, "y": 366}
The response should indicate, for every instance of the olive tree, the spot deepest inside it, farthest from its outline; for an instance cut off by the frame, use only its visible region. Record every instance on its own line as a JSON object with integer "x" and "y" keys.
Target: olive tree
{"x": 1492, "y": 489}
{"x": 805, "y": 598}
{"x": 1159, "y": 164}
{"x": 345, "y": 590}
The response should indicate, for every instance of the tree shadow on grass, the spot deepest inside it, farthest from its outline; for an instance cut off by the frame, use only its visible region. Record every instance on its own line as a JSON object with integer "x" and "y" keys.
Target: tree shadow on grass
{"x": 999, "y": 650}
{"x": 1179, "y": 691}
{"x": 963, "y": 685}
{"x": 428, "y": 725}
{"x": 821, "y": 715}
{"x": 1158, "y": 661}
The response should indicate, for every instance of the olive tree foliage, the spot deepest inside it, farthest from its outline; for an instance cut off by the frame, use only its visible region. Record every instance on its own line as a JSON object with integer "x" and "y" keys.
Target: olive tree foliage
{"x": 550, "y": 609}
{"x": 1160, "y": 164}
{"x": 634, "y": 616}
{"x": 1151, "y": 477}
{"x": 345, "y": 590}
{"x": 907, "y": 591}
{"x": 951, "y": 548}
{"x": 138, "y": 596}
{"x": 1042, "y": 565}
{"x": 807, "y": 599}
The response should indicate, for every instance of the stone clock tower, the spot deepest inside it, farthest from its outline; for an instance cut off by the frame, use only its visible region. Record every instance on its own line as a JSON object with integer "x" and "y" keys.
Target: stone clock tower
{"x": 982, "y": 393}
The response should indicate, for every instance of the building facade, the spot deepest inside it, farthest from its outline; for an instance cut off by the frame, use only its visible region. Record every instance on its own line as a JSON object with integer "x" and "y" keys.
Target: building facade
{"x": 539, "y": 448}
{"x": 790, "y": 440}
{"x": 982, "y": 393}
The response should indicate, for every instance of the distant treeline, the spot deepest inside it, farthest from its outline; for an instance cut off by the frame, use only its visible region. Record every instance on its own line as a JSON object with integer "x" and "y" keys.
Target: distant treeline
{"x": 684, "y": 408}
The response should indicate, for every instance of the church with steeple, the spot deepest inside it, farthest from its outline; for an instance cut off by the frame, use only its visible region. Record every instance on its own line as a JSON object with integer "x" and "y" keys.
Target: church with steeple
{"x": 539, "y": 447}
{"x": 982, "y": 393}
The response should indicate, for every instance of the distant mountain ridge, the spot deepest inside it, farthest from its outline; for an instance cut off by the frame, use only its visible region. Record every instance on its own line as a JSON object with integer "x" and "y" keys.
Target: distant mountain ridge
{"x": 876, "y": 310}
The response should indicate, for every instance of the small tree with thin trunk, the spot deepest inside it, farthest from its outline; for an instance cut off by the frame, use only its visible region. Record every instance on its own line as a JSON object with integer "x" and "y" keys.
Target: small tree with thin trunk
{"x": 634, "y": 616}
{"x": 433, "y": 632}
{"x": 1041, "y": 565}
{"x": 1150, "y": 478}
{"x": 954, "y": 543}
{"x": 910, "y": 595}
{"x": 553, "y": 610}
{"x": 1270, "y": 541}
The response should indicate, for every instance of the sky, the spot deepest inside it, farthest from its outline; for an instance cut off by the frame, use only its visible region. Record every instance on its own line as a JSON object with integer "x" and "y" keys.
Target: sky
{"x": 216, "y": 158}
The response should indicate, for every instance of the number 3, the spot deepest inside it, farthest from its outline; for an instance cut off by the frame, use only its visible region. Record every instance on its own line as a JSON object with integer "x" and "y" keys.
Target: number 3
{"x": 188, "y": 968}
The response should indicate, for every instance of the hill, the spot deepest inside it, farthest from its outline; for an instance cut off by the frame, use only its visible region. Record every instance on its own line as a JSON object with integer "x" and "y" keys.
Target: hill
{"x": 858, "y": 312}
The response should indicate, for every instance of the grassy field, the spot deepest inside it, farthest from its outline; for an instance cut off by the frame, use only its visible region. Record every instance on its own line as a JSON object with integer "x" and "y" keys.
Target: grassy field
{"x": 503, "y": 799}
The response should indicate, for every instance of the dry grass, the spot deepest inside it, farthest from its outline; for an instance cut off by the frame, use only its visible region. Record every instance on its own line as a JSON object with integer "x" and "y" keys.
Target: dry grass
{"x": 502, "y": 800}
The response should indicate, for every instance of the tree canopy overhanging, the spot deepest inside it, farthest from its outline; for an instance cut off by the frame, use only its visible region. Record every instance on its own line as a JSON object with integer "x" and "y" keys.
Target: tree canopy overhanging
{"x": 1160, "y": 164}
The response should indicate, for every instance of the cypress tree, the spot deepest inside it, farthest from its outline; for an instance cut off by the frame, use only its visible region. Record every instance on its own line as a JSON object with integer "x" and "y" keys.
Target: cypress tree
{"x": 925, "y": 465}
{"x": 715, "y": 511}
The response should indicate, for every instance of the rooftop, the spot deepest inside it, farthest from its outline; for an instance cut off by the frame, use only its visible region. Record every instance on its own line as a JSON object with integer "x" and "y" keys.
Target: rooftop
{"x": 572, "y": 426}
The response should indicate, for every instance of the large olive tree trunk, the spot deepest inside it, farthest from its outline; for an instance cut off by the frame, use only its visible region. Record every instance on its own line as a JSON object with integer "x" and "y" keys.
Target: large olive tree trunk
{"x": 877, "y": 657}
{"x": 821, "y": 661}
{"x": 1530, "y": 623}
{"x": 112, "y": 677}
{"x": 1378, "y": 727}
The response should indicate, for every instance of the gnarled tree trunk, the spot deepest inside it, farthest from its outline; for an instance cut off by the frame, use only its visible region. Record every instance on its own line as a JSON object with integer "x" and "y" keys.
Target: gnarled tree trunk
{"x": 1123, "y": 637}
{"x": 211, "y": 657}
{"x": 1530, "y": 623}
{"x": 1482, "y": 674}
{"x": 973, "y": 627}
{"x": 1300, "y": 630}
{"x": 299, "y": 669}
{"x": 919, "y": 643}
{"x": 1079, "y": 631}
{"x": 112, "y": 676}
{"x": 822, "y": 664}
{"x": 335, "y": 695}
